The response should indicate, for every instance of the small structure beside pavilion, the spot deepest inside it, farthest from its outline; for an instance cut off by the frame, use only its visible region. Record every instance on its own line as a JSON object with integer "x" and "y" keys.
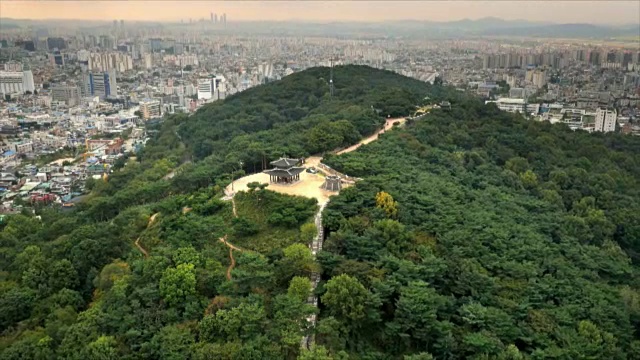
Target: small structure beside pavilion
{"x": 332, "y": 183}
{"x": 285, "y": 171}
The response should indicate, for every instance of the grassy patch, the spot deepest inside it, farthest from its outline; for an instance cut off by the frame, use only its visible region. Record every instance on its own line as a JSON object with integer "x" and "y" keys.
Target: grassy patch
{"x": 270, "y": 221}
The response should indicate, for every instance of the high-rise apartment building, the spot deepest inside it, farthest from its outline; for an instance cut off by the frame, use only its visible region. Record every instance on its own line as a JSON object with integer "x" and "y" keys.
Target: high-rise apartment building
{"x": 606, "y": 120}
{"x": 150, "y": 108}
{"x": 70, "y": 95}
{"x": 107, "y": 42}
{"x": 58, "y": 58}
{"x": 110, "y": 60}
{"x": 185, "y": 60}
{"x": 148, "y": 61}
{"x": 56, "y": 43}
{"x": 210, "y": 88}
{"x": 539, "y": 79}
{"x": 101, "y": 84}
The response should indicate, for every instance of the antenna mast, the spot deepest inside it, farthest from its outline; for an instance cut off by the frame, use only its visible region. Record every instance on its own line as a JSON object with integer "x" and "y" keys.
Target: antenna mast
{"x": 331, "y": 79}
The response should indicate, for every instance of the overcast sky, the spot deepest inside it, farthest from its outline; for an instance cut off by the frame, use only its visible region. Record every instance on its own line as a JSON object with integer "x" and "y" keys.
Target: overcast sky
{"x": 595, "y": 12}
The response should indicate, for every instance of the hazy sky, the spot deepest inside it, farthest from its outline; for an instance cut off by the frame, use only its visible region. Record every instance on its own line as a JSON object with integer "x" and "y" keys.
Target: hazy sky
{"x": 596, "y": 12}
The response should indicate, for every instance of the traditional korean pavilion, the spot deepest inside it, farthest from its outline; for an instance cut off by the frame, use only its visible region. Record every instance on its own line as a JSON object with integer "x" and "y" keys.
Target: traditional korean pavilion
{"x": 284, "y": 171}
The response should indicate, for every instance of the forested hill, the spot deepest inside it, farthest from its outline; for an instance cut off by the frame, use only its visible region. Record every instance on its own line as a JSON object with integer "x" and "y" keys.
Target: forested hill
{"x": 301, "y": 101}
{"x": 141, "y": 269}
{"x": 474, "y": 235}
{"x": 479, "y": 235}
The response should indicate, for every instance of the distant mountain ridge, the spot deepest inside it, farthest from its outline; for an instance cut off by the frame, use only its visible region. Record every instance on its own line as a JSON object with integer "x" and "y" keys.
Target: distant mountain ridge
{"x": 488, "y": 26}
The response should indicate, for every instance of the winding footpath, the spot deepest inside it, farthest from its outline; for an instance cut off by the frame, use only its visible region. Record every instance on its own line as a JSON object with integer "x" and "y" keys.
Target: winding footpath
{"x": 137, "y": 243}
{"x": 388, "y": 125}
{"x": 232, "y": 260}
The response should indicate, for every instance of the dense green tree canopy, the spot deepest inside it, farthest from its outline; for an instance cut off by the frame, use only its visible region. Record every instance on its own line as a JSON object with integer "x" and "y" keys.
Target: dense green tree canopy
{"x": 474, "y": 235}
{"x": 514, "y": 240}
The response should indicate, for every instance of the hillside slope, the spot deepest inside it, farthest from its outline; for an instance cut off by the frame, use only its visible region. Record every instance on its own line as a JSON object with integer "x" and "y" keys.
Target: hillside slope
{"x": 107, "y": 281}
{"x": 474, "y": 234}
{"x": 500, "y": 238}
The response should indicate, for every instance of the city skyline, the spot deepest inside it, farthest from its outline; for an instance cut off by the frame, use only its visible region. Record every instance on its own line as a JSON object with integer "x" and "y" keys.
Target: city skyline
{"x": 610, "y": 12}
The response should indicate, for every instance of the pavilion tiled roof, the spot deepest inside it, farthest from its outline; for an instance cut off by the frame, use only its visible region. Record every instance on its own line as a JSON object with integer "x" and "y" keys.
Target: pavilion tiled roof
{"x": 284, "y": 163}
{"x": 292, "y": 171}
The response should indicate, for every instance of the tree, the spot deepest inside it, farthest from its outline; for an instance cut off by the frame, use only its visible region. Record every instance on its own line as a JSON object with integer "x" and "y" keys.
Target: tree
{"x": 347, "y": 299}
{"x": 385, "y": 202}
{"x": 186, "y": 255}
{"x": 416, "y": 312}
{"x": 317, "y": 352}
{"x": 298, "y": 260}
{"x": 308, "y": 232}
{"x": 511, "y": 353}
{"x": 299, "y": 288}
{"x": 110, "y": 273}
{"x": 173, "y": 343}
{"x": 104, "y": 348}
{"x": 15, "y": 305}
{"x": 63, "y": 275}
{"x": 188, "y": 68}
{"x": 178, "y": 284}
{"x": 420, "y": 356}
{"x": 241, "y": 322}
{"x": 243, "y": 226}
{"x": 253, "y": 272}
{"x": 256, "y": 186}
{"x": 529, "y": 179}
{"x": 517, "y": 164}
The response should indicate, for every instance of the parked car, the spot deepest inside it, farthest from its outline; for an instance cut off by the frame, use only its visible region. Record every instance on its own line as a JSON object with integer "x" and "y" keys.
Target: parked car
{"x": 312, "y": 170}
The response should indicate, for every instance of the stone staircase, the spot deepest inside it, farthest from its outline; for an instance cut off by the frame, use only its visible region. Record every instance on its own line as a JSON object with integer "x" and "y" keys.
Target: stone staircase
{"x": 316, "y": 246}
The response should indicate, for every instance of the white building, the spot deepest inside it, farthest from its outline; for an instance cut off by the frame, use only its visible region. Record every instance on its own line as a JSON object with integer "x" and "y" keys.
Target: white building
{"x": 190, "y": 90}
{"x": 44, "y": 101}
{"x": 185, "y": 60}
{"x": 11, "y": 82}
{"x": 511, "y": 105}
{"x": 211, "y": 88}
{"x": 43, "y": 138}
{"x": 13, "y": 66}
{"x": 83, "y": 55}
{"x": 27, "y": 81}
{"x": 16, "y": 82}
{"x": 22, "y": 147}
{"x": 606, "y": 120}
{"x": 205, "y": 89}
